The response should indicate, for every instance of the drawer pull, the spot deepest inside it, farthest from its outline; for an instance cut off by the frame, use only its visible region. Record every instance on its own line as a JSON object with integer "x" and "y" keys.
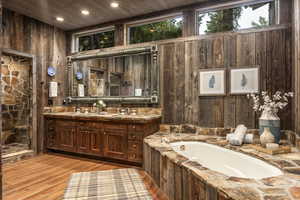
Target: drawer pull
{"x": 133, "y": 156}
{"x": 134, "y": 146}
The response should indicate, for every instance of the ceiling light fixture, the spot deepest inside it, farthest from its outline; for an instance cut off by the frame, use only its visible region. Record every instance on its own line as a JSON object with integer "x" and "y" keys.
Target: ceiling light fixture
{"x": 114, "y": 4}
{"x": 60, "y": 19}
{"x": 85, "y": 12}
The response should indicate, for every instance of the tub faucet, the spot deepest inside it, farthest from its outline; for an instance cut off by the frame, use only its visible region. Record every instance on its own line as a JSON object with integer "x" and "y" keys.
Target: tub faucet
{"x": 182, "y": 147}
{"x": 165, "y": 140}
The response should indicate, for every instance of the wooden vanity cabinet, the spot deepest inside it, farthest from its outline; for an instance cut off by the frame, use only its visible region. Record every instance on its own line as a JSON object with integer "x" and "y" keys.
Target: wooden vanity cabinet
{"x": 123, "y": 141}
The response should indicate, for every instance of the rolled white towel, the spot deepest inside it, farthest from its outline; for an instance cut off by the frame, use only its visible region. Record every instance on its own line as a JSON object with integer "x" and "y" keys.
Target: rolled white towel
{"x": 235, "y": 140}
{"x": 240, "y": 133}
{"x": 248, "y": 139}
{"x": 229, "y": 136}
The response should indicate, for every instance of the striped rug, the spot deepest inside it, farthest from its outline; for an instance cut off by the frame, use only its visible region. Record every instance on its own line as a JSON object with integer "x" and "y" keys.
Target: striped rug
{"x": 119, "y": 184}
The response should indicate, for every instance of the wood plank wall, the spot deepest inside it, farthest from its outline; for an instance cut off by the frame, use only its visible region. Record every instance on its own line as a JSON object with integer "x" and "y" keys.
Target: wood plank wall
{"x": 180, "y": 63}
{"x": 296, "y": 37}
{"x": 48, "y": 44}
{"x": 0, "y": 100}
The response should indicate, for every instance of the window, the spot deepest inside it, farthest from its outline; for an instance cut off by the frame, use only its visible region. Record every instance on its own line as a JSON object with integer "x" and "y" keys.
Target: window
{"x": 159, "y": 30}
{"x": 237, "y": 18}
{"x": 94, "y": 40}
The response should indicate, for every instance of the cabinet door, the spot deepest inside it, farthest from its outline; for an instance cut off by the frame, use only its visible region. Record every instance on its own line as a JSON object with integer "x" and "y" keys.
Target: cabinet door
{"x": 65, "y": 131}
{"x": 96, "y": 143}
{"x": 51, "y": 137}
{"x": 115, "y": 141}
{"x": 83, "y": 140}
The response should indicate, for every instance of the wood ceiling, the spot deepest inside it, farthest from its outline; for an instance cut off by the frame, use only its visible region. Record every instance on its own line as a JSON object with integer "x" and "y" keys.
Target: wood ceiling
{"x": 101, "y": 12}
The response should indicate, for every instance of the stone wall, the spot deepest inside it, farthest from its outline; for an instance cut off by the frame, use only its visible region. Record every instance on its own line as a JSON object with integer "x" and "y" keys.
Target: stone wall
{"x": 16, "y": 99}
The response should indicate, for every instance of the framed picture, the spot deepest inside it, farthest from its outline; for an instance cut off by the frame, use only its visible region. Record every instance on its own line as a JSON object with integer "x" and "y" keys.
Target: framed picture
{"x": 244, "y": 80}
{"x": 212, "y": 82}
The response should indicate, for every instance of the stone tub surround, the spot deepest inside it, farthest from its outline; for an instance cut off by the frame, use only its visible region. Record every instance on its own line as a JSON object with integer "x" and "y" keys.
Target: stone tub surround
{"x": 182, "y": 179}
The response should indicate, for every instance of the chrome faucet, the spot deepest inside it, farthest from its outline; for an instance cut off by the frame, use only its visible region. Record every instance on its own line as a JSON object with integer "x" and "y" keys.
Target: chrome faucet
{"x": 182, "y": 147}
{"x": 124, "y": 111}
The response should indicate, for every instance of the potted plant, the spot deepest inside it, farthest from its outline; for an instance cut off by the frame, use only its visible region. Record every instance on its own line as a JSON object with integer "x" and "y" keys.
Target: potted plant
{"x": 100, "y": 106}
{"x": 269, "y": 105}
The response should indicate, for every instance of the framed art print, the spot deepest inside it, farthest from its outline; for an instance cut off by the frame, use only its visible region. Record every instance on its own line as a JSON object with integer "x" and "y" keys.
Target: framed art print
{"x": 244, "y": 80}
{"x": 212, "y": 82}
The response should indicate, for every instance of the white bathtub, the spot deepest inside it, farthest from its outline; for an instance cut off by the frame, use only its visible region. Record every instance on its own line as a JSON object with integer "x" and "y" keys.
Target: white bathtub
{"x": 225, "y": 161}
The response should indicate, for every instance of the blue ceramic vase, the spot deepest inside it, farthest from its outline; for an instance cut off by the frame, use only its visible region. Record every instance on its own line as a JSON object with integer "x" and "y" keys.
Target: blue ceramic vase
{"x": 270, "y": 120}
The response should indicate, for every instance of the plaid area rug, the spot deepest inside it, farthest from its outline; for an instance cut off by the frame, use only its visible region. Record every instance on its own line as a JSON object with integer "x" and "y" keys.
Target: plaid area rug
{"x": 119, "y": 184}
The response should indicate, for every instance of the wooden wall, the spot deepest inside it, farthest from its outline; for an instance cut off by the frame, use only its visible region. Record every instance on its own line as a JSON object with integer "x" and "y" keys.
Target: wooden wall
{"x": 1, "y": 186}
{"x": 48, "y": 44}
{"x": 296, "y": 42}
{"x": 181, "y": 61}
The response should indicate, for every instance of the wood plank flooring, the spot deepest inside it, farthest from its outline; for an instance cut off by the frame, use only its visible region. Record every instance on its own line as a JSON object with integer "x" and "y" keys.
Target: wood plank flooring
{"x": 45, "y": 177}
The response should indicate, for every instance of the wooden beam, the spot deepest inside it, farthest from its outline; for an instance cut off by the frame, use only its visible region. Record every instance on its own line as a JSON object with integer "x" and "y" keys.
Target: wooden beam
{"x": 119, "y": 35}
{"x": 296, "y": 37}
{"x": 189, "y": 23}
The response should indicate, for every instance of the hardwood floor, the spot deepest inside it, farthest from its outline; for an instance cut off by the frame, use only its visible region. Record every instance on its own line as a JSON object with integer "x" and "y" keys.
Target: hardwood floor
{"x": 45, "y": 177}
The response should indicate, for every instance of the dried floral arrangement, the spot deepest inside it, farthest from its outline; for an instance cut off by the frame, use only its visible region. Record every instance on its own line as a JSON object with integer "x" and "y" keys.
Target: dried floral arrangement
{"x": 270, "y": 104}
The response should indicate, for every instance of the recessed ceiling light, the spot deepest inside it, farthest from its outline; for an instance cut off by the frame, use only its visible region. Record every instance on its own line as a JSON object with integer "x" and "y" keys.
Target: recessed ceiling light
{"x": 85, "y": 12}
{"x": 60, "y": 19}
{"x": 114, "y": 4}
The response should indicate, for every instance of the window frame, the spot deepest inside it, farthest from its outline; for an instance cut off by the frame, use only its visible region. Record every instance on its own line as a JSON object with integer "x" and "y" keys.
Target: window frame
{"x": 76, "y": 36}
{"x": 240, "y": 3}
{"x": 149, "y": 21}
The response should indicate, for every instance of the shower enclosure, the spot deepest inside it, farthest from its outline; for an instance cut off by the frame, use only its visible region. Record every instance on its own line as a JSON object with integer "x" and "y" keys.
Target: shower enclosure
{"x": 17, "y": 104}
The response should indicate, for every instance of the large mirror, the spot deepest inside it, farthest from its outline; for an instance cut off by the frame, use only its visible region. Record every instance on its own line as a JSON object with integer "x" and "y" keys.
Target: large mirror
{"x": 123, "y": 76}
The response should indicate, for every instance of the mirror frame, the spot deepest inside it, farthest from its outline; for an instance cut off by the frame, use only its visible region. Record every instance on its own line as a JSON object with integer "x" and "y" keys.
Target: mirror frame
{"x": 113, "y": 52}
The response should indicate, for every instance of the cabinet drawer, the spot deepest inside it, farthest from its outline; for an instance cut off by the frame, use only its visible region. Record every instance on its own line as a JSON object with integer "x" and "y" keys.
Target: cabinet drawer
{"x": 136, "y": 128}
{"x": 135, "y": 146}
{"x": 135, "y": 136}
{"x": 115, "y": 127}
{"x": 65, "y": 123}
{"x": 135, "y": 157}
{"x": 89, "y": 125}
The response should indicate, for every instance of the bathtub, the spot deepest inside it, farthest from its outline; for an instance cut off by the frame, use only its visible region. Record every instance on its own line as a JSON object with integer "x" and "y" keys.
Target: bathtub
{"x": 226, "y": 161}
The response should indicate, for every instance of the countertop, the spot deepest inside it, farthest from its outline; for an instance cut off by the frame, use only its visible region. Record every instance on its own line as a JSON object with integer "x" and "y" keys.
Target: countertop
{"x": 139, "y": 118}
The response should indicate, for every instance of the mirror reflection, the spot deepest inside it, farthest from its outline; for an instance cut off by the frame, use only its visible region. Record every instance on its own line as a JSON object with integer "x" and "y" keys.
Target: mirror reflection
{"x": 128, "y": 75}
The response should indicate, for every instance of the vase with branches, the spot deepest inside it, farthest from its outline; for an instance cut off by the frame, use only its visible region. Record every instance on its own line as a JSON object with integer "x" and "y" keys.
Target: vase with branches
{"x": 269, "y": 105}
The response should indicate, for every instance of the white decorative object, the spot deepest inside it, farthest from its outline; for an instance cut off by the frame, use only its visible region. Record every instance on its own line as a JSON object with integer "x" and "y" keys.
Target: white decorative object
{"x": 53, "y": 86}
{"x": 80, "y": 90}
{"x": 269, "y": 105}
{"x": 229, "y": 136}
{"x": 267, "y": 137}
{"x": 244, "y": 80}
{"x": 247, "y": 140}
{"x": 238, "y": 136}
{"x": 212, "y": 82}
{"x": 272, "y": 146}
{"x": 138, "y": 92}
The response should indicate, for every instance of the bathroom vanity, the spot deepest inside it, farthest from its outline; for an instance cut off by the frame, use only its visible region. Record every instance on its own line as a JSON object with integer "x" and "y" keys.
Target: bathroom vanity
{"x": 112, "y": 136}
